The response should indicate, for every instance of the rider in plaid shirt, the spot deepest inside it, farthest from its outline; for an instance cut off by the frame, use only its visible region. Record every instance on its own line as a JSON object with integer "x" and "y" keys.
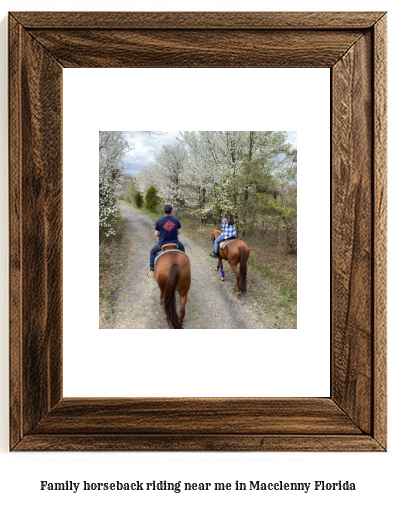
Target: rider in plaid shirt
{"x": 228, "y": 228}
{"x": 228, "y": 231}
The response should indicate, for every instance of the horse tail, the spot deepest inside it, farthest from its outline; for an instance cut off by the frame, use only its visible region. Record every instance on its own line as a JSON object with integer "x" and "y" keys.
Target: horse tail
{"x": 169, "y": 299}
{"x": 243, "y": 268}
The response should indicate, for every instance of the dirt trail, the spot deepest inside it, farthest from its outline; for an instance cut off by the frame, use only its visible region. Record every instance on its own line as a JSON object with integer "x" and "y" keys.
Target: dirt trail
{"x": 212, "y": 304}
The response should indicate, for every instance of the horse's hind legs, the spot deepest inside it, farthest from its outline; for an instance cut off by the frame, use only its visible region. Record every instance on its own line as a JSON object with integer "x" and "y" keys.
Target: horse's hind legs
{"x": 183, "y": 300}
{"x": 236, "y": 272}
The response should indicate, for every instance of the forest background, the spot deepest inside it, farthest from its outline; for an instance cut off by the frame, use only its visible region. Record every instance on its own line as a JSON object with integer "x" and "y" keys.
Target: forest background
{"x": 203, "y": 173}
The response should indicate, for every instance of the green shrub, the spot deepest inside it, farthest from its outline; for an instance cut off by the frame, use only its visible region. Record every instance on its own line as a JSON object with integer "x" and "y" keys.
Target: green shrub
{"x": 151, "y": 199}
{"x": 138, "y": 199}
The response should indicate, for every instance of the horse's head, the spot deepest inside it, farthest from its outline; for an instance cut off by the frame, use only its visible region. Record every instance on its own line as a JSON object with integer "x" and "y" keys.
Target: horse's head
{"x": 215, "y": 233}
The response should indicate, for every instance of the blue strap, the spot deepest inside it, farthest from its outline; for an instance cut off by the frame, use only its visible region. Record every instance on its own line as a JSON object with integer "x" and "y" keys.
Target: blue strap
{"x": 166, "y": 251}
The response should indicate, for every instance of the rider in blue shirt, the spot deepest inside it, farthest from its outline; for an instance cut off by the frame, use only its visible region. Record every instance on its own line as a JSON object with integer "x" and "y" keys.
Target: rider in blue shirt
{"x": 167, "y": 230}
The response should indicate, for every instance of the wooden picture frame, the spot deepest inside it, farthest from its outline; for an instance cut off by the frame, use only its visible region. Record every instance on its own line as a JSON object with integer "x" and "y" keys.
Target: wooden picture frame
{"x": 353, "y": 46}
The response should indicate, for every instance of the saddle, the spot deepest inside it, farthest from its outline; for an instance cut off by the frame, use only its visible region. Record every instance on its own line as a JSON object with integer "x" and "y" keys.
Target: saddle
{"x": 223, "y": 244}
{"x": 169, "y": 246}
{"x": 168, "y": 250}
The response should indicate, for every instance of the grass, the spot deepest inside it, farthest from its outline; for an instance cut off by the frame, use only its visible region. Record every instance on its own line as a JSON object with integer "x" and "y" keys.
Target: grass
{"x": 152, "y": 214}
{"x": 272, "y": 273}
{"x": 112, "y": 258}
{"x": 278, "y": 272}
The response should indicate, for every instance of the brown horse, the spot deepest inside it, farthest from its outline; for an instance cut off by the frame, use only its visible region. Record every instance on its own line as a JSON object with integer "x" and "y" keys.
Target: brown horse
{"x": 235, "y": 252}
{"x": 172, "y": 272}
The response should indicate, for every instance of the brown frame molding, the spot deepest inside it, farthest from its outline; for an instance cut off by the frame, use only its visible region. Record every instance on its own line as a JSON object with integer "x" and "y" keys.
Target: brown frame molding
{"x": 353, "y": 45}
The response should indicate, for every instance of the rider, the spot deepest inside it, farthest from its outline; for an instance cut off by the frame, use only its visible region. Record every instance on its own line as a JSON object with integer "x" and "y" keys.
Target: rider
{"x": 167, "y": 230}
{"x": 228, "y": 227}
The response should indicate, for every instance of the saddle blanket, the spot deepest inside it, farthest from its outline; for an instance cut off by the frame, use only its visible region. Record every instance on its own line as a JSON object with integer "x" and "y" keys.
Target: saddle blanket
{"x": 223, "y": 244}
{"x": 167, "y": 251}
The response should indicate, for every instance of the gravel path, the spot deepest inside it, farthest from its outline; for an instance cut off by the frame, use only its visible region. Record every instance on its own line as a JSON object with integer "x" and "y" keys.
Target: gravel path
{"x": 211, "y": 304}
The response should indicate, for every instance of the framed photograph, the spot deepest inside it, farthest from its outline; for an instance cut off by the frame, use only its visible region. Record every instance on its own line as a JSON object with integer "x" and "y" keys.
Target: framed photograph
{"x": 353, "y": 46}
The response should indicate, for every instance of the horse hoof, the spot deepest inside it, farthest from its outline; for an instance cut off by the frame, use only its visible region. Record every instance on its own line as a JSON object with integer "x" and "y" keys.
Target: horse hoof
{"x": 239, "y": 294}
{"x": 223, "y": 279}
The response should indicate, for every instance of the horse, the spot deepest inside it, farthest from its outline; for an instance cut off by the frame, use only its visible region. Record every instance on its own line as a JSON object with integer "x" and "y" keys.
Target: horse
{"x": 172, "y": 273}
{"x": 236, "y": 252}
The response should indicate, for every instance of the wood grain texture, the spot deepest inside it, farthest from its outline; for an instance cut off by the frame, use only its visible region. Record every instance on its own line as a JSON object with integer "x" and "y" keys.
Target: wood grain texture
{"x": 354, "y": 46}
{"x": 41, "y": 87}
{"x": 15, "y": 260}
{"x": 352, "y": 233}
{"x": 196, "y": 48}
{"x": 199, "y": 443}
{"x": 36, "y": 244}
{"x": 202, "y": 20}
{"x": 300, "y": 416}
{"x": 380, "y": 229}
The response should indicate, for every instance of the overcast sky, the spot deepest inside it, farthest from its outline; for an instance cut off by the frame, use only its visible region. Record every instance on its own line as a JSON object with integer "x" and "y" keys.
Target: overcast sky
{"x": 146, "y": 146}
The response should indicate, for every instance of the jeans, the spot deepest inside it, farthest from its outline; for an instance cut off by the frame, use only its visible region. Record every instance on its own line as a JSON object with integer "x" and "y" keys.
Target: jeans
{"x": 156, "y": 249}
{"x": 217, "y": 241}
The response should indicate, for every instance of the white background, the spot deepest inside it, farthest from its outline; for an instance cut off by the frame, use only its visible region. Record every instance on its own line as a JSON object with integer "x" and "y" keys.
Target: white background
{"x": 20, "y": 473}
{"x": 248, "y": 363}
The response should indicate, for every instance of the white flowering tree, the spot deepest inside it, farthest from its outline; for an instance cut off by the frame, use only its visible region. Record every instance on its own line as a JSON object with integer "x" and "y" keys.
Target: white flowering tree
{"x": 147, "y": 177}
{"x": 112, "y": 149}
{"x": 206, "y": 172}
{"x": 227, "y": 169}
{"x": 198, "y": 173}
{"x": 170, "y": 165}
